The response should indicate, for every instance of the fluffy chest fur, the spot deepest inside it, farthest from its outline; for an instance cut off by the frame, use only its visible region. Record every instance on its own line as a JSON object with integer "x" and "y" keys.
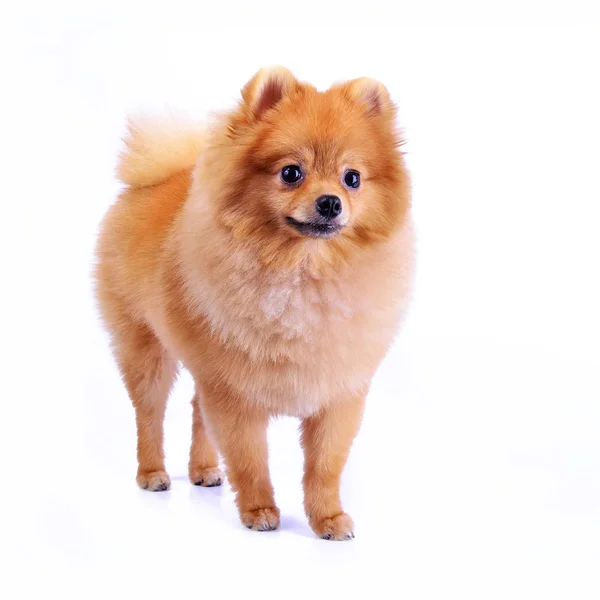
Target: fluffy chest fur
{"x": 289, "y": 340}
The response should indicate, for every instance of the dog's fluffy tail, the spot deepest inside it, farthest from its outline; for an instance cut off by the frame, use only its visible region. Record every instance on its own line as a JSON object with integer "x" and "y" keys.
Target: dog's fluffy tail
{"x": 158, "y": 148}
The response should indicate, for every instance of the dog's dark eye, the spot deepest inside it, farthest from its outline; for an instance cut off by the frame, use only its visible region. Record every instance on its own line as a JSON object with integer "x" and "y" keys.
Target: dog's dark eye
{"x": 291, "y": 174}
{"x": 352, "y": 179}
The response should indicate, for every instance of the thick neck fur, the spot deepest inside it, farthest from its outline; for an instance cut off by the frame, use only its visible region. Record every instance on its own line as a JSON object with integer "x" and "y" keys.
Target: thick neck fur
{"x": 276, "y": 308}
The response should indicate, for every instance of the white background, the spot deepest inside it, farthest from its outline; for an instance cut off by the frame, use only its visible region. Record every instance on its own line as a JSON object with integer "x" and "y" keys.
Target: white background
{"x": 477, "y": 471}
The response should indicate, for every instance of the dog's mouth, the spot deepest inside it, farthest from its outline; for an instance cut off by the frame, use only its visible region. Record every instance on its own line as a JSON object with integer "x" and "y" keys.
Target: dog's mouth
{"x": 315, "y": 229}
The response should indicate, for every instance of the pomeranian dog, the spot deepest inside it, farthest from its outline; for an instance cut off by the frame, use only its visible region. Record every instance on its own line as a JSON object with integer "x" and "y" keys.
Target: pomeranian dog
{"x": 270, "y": 254}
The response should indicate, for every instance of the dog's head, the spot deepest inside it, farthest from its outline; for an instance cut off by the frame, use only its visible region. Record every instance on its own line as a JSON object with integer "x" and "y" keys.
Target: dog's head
{"x": 303, "y": 166}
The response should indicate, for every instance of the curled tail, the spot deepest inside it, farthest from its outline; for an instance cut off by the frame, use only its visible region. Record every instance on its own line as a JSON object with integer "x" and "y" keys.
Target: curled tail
{"x": 158, "y": 148}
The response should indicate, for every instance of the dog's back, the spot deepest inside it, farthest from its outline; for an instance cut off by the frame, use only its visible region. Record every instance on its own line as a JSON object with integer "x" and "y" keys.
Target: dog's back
{"x": 156, "y": 167}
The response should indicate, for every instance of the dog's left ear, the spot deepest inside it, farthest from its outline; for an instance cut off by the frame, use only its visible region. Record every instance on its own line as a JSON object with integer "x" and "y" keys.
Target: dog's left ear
{"x": 267, "y": 88}
{"x": 372, "y": 94}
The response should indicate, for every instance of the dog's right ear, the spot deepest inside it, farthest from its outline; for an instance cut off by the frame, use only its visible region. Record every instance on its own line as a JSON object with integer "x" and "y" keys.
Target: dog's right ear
{"x": 267, "y": 88}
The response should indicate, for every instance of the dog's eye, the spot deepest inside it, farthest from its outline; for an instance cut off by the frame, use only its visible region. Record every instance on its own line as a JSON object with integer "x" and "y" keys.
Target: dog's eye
{"x": 352, "y": 179}
{"x": 291, "y": 174}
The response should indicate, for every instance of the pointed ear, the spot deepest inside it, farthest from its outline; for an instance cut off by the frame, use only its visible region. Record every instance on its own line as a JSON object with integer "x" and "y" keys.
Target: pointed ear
{"x": 372, "y": 94}
{"x": 267, "y": 88}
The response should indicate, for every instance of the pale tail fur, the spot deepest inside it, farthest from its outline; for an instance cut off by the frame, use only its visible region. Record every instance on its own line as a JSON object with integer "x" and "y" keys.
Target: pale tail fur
{"x": 156, "y": 148}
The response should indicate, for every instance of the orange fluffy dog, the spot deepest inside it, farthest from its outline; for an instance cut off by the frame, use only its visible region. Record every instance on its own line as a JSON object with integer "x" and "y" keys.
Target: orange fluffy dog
{"x": 271, "y": 255}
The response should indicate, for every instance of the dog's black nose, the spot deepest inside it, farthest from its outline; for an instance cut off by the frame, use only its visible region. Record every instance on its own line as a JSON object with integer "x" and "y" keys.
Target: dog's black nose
{"x": 329, "y": 206}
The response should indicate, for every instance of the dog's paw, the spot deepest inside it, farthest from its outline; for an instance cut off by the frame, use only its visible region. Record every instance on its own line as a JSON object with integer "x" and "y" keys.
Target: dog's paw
{"x": 338, "y": 528}
{"x": 261, "y": 519}
{"x": 207, "y": 477}
{"x": 154, "y": 481}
